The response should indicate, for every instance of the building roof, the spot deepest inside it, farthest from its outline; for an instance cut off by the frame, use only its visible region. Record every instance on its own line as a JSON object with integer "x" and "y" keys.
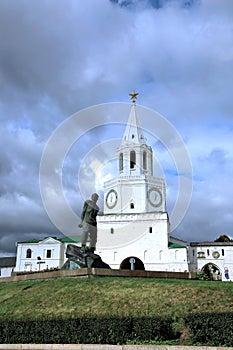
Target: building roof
{"x": 69, "y": 239}
{"x": 175, "y": 245}
{"x": 8, "y": 261}
{"x": 31, "y": 241}
{"x": 208, "y": 244}
{"x": 65, "y": 239}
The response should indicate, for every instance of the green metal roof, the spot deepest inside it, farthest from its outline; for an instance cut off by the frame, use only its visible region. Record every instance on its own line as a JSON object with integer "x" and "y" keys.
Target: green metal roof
{"x": 70, "y": 240}
{"x": 65, "y": 239}
{"x": 175, "y": 245}
{"x": 31, "y": 241}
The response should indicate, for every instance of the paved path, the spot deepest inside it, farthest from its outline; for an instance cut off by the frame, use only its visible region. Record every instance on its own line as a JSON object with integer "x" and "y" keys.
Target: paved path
{"x": 105, "y": 347}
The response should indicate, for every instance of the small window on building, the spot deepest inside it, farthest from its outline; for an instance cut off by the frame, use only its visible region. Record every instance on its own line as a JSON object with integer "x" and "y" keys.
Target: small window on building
{"x": 160, "y": 255}
{"x": 144, "y": 160}
{"x": 0, "y": 272}
{"x": 121, "y": 162}
{"x": 208, "y": 252}
{"x": 150, "y": 229}
{"x": 131, "y": 205}
{"x": 49, "y": 254}
{"x": 132, "y": 136}
{"x": 132, "y": 159}
{"x": 28, "y": 254}
{"x": 222, "y": 252}
{"x": 112, "y": 230}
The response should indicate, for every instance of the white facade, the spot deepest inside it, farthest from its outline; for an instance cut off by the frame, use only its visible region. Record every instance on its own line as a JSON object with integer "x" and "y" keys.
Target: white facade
{"x": 7, "y": 265}
{"x": 37, "y": 255}
{"x": 135, "y": 224}
{"x": 213, "y": 258}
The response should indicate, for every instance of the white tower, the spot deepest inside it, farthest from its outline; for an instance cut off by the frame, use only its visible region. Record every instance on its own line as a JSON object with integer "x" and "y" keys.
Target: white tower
{"x": 135, "y": 224}
{"x": 135, "y": 190}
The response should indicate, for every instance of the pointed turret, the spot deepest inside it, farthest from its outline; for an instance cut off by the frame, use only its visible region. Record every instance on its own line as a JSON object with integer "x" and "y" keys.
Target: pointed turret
{"x": 135, "y": 156}
{"x": 133, "y": 131}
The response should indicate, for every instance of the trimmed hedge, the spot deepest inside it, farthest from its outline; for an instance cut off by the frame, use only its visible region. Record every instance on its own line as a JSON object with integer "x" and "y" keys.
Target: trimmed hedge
{"x": 203, "y": 329}
{"x": 214, "y": 329}
{"x": 92, "y": 330}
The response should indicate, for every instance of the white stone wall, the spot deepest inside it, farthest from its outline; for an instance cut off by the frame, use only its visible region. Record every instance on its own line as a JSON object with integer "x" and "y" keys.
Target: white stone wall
{"x": 143, "y": 236}
{"x": 6, "y": 271}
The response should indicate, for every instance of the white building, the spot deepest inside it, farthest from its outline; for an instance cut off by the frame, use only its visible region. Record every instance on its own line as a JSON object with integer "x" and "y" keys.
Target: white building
{"x": 135, "y": 225}
{"x": 36, "y": 255}
{"x": 212, "y": 258}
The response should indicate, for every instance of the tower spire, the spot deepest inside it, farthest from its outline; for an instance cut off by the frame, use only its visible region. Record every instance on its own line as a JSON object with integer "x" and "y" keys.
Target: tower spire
{"x": 133, "y": 131}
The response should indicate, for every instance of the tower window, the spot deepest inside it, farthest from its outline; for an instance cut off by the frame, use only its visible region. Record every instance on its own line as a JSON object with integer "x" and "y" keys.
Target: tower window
{"x": 150, "y": 229}
{"x": 28, "y": 254}
{"x": 144, "y": 160}
{"x": 222, "y": 252}
{"x": 132, "y": 159}
{"x": 121, "y": 162}
{"x": 132, "y": 136}
{"x": 131, "y": 205}
{"x": 208, "y": 252}
{"x": 112, "y": 230}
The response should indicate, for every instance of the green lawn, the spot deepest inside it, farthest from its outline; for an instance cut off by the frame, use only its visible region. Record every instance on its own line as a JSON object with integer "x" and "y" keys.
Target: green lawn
{"x": 72, "y": 297}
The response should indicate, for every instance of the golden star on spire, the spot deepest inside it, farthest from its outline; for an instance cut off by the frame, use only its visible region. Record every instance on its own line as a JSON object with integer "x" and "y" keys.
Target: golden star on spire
{"x": 133, "y": 96}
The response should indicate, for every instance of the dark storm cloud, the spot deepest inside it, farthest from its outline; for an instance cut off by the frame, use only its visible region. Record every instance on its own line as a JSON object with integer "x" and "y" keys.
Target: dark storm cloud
{"x": 57, "y": 57}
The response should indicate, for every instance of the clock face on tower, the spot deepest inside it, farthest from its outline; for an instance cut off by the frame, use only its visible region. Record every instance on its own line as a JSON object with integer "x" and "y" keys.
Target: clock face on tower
{"x": 155, "y": 197}
{"x": 111, "y": 199}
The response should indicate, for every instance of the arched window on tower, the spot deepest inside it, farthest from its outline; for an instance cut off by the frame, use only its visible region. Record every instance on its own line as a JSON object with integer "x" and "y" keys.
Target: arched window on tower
{"x": 132, "y": 159}
{"x": 28, "y": 254}
{"x": 144, "y": 160}
{"x": 121, "y": 162}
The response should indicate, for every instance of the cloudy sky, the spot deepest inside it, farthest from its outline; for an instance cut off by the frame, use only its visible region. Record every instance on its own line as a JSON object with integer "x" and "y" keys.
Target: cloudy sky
{"x": 60, "y": 57}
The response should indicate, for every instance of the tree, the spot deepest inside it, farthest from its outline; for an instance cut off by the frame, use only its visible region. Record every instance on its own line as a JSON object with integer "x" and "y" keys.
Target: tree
{"x": 223, "y": 238}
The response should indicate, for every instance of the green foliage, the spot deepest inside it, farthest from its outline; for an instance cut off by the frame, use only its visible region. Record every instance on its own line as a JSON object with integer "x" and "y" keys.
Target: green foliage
{"x": 212, "y": 329}
{"x": 223, "y": 238}
{"x": 129, "y": 310}
{"x": 92, "y": 330}
{"x": 202, "y": 276}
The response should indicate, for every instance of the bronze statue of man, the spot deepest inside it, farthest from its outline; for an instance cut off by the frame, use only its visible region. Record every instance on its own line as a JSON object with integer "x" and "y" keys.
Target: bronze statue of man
{"x": 89, "y": 223}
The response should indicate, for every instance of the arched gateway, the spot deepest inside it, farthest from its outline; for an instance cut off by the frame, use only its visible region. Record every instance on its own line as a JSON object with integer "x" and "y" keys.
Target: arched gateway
{"x": 212, "y": 271}
{"x": 132, "y": 263}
